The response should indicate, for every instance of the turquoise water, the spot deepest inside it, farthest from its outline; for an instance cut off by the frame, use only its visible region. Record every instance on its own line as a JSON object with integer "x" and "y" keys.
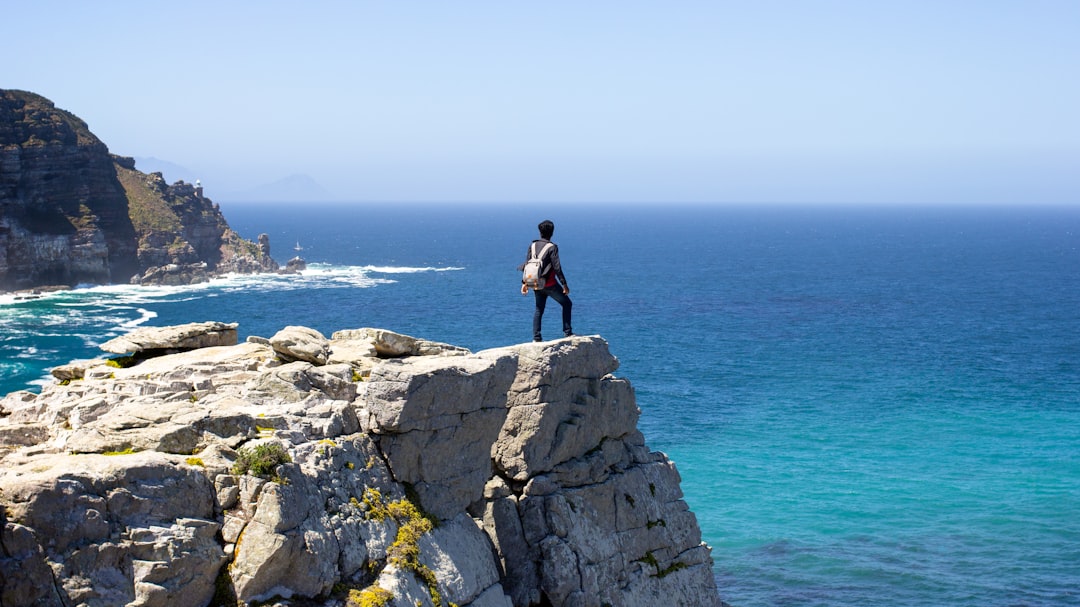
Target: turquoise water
{"x": 873, "y": 406}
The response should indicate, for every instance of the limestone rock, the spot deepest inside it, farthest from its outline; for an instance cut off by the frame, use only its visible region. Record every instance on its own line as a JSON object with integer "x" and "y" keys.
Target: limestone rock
{"x": 511, "y": 477}
{"x": 564, "y": 403}
{"x": 389, "y": 344}
{"x": 75, "y": 369}
{"x": 301, "y": 343}
{"x": 162, "y": 514}
{"x": 359, "y": 353}
{"x": 442, "y": 446}
{"x": 459, "y": 554}
{"x": 180, "y": 337}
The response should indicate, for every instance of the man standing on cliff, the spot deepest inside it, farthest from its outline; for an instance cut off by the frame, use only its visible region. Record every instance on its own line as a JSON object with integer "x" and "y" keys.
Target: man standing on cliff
{"x": 552, "y": 281}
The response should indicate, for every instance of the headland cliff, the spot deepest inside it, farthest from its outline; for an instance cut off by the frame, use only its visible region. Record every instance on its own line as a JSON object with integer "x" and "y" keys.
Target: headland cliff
{"x": 367, "y": 468}
{"x": 72, "y": 213}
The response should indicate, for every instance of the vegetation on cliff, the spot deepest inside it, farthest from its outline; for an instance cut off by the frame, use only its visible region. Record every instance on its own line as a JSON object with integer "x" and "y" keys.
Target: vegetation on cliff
{"x": 147, "y": 208}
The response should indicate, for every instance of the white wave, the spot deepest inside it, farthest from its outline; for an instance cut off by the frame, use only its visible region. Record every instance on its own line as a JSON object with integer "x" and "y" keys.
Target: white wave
{"x": 124, "y": 297}
{"x": 407, "y": 269}
{"x": 27, "y": 352}
{"x": 145, "y": 316}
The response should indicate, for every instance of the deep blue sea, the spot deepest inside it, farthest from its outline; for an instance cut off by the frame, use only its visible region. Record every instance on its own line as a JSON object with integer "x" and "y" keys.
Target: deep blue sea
{"x": 868, "y": 405}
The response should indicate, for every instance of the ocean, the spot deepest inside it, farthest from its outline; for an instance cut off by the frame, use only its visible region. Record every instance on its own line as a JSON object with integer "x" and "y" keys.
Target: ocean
{"x": 867, "y": 405}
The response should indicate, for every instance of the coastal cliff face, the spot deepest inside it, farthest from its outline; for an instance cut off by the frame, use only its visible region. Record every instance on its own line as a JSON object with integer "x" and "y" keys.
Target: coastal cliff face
{"x": 63, "y": 213}
{"x": 370, "y": 468}
{"x": 71, "y": 213}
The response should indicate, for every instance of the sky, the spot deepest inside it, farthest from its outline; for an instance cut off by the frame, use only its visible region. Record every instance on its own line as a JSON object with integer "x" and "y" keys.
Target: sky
{"x": 770, "y": 101}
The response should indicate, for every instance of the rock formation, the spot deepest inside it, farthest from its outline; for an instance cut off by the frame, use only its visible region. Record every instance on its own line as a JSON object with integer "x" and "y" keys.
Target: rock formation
{"x": 368, "y": 468}
{"x": 71, "y": 213}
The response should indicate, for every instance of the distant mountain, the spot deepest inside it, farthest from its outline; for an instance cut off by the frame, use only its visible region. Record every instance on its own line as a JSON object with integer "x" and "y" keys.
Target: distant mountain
{"x": 294, "y": 188}
{"x": 170, "y": 171}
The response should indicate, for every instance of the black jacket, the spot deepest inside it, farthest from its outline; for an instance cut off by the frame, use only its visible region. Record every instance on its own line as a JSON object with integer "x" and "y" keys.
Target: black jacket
{"x": 550, "y": 266}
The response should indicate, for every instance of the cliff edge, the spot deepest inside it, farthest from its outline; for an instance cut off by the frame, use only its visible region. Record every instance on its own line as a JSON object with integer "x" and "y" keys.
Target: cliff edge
{"x": 72, "y": 213}
{"x": 368, "y": 468}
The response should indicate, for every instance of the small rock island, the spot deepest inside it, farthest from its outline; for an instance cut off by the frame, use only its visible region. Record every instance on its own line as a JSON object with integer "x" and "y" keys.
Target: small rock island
{"x": 368, "y": 468}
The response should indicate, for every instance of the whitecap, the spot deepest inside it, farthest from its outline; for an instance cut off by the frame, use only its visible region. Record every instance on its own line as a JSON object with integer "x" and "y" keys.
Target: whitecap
{"x": 407, "y": 269}
{"x": 32, "y": 353}
{"x": 146, "y": 315}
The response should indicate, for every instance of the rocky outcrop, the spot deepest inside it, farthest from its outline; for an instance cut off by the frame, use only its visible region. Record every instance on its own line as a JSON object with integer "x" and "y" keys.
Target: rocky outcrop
{"x": 295, "y": 265}
{"x": 72, "y": 213}
{"x": 166, "y": 340}
{"x": 370, "y": 468}
{"x": 182, "y": 236}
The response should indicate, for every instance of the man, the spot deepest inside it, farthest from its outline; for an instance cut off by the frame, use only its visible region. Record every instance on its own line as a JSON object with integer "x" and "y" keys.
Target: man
{"x": 552, "y": 281}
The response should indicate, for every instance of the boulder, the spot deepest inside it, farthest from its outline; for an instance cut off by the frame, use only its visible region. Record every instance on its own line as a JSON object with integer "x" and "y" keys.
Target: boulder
{"x": 301, "y": 343}
{"x": 173, "y": 274}
{"x": 358, "y": 353}
{"x": 389, "y": 344}
{"x": 75, "y": 369}
{"x": 179, "y": 337}
{"x": 294, "y": 266}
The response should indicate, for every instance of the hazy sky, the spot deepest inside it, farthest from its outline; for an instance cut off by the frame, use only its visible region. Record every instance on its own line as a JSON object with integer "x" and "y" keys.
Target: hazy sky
{"x": 722, "y": 101}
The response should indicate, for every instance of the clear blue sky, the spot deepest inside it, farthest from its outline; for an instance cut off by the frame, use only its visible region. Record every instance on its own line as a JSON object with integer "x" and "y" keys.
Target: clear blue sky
{"x": 713, "y": 101}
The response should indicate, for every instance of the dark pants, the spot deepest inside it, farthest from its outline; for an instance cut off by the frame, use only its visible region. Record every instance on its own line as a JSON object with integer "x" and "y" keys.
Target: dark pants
{"x": 541, "y": 301}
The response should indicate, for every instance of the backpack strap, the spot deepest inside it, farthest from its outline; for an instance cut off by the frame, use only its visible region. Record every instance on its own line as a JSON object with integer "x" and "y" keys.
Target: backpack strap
{"x": 543, "y": 252}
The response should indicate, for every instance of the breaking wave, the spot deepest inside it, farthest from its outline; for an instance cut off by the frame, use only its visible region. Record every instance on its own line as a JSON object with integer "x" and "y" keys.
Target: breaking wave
{"x": 41, "y": 330}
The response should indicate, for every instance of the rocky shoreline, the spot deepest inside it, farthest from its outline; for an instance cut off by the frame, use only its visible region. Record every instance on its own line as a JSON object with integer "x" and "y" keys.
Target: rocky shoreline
{"x": 368, "y": 468}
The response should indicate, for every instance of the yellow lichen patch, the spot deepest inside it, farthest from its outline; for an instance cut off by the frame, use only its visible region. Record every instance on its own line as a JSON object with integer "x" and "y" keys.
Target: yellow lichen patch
{"x": 372, "y": 596}
{"x": 413, "y": 523}
{"x": 376, "y": 510}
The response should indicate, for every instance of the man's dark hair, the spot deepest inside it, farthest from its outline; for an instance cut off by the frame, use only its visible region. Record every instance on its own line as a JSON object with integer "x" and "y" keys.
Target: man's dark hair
{"x": 546, "y": 229}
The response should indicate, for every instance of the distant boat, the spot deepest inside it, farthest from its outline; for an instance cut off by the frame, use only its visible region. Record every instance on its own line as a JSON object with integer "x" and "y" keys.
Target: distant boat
{"x": 298, "y": 247}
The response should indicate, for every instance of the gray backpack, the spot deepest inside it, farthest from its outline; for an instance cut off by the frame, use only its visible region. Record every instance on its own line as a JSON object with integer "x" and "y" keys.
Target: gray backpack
{"x": 533, "y": 272}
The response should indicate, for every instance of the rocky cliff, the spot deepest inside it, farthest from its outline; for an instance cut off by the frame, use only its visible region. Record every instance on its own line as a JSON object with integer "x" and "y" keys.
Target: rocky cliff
{"x": 71, "y": 213}
{"x": 370, "y": 468}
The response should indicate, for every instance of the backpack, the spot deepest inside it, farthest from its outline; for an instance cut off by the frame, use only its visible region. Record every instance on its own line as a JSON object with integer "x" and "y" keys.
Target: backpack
{"x": 533, "y": 271}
